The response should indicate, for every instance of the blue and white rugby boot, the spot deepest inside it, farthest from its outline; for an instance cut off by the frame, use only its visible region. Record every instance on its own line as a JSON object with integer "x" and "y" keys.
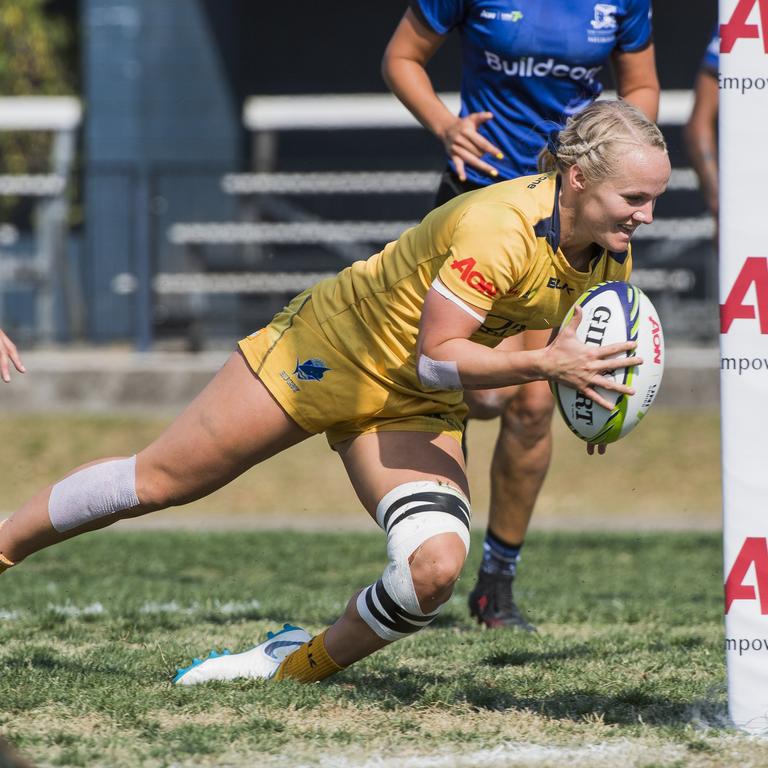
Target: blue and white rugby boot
{"x": 260, "y": 662}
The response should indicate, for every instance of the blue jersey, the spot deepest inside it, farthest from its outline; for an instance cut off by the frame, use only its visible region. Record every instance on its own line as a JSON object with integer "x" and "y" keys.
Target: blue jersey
{"x": 532, "y": 62}
{"x": 711, "y": 60}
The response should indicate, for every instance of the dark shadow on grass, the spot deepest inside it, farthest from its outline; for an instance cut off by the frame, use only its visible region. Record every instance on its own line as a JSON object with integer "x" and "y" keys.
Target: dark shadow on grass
{"x": 23, "y": 662}
{"x": 521, "y": 657}
{"x": 685, "y": 643}
{"x": 401, "y": 687}
{"x": 447, "y": 621}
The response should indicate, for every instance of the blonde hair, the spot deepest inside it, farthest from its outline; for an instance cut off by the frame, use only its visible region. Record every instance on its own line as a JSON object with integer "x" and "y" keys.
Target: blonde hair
{"x": 594, "y": 138}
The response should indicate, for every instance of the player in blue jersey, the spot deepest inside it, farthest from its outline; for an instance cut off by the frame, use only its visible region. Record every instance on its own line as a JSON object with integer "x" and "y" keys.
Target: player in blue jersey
{"x": 525, "y": 65}
{"x": 701, "y": 129}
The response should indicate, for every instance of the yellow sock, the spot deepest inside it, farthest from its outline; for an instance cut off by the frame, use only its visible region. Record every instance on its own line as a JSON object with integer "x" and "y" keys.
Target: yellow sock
{"x": 5, "y": 563}
{"x": 309, "y": 663}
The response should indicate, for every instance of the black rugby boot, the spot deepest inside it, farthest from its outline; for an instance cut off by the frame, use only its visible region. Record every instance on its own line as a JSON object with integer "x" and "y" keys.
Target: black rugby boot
{"x": 492, "y": 604}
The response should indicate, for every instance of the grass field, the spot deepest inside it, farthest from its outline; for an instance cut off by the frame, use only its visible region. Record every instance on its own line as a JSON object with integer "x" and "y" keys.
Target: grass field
{"x": 664, "y": 475}
{"x": 626, "y": 671}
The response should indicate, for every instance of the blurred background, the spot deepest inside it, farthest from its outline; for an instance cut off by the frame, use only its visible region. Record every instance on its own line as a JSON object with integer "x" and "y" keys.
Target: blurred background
{"x": 172, "y": 171}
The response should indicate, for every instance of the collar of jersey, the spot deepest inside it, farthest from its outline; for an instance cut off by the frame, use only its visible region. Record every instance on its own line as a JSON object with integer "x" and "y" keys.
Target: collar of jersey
{"x": 549, "y": 228}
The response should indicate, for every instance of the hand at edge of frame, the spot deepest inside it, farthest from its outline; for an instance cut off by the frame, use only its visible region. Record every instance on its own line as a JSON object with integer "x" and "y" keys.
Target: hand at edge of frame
{"x": 9, "y": 354}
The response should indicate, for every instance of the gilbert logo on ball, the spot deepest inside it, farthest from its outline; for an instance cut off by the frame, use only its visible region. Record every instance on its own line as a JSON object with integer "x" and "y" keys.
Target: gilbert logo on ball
{"x": 615, "y": 312}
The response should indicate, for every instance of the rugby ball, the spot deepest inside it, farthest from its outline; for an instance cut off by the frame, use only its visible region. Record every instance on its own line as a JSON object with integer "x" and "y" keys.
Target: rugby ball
{"x": 615, "y": 312}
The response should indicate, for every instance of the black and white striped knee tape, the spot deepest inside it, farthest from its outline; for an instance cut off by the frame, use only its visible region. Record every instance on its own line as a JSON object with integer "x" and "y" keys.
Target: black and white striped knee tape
{"x": 427, "y": 501}
{"x": 392, "y": 616}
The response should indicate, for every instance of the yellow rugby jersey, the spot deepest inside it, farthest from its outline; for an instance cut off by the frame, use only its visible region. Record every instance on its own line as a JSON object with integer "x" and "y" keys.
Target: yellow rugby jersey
{"x": 496, "y": 248}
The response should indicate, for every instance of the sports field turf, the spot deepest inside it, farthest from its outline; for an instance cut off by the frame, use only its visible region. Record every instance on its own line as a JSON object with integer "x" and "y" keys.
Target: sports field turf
{"x": 626, "y": 671}
{"x": 666, "y": 474}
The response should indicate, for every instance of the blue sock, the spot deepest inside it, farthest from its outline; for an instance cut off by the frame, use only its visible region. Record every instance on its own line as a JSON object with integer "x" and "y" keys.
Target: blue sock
{"x": 498, "y": 556}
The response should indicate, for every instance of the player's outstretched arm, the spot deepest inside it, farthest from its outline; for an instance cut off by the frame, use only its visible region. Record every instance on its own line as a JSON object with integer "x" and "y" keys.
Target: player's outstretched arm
{"x": 445, "y": 350}
{"x": 404, "y": 70}
{"x": 9, "y": 354}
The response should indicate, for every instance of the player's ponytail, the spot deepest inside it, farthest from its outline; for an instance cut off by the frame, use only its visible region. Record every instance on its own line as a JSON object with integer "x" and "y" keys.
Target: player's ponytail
{"x": 594, "y": 138}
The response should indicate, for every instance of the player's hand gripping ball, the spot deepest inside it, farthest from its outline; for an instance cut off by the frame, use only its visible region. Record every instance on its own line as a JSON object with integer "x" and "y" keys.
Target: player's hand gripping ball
{"x": 615, "y": 312}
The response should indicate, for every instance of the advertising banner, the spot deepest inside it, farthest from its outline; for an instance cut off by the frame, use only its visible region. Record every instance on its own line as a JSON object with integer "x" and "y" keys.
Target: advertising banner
{"x": 743, "y": 89}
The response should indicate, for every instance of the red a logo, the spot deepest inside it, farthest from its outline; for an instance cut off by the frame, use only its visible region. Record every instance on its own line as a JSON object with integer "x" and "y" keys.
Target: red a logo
{"x": 754, "y": 550}
{"x": 737, "y": 26}
{"x": 754, "y": 272}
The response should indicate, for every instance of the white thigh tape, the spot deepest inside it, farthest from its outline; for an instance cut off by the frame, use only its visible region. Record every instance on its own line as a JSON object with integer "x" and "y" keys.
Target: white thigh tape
{"x": 94, "y": 492}
{"x": 410, "y": 514}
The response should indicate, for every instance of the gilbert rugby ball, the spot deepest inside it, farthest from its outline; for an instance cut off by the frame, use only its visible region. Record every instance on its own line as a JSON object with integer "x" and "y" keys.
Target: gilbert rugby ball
{"x": 615, "y": 312}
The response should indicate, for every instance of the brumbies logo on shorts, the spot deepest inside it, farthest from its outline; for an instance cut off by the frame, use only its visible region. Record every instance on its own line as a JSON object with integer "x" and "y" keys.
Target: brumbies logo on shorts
{"x": 310, "y": 370}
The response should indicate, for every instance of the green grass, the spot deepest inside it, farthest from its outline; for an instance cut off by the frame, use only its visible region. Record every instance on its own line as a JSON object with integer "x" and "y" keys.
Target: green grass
{"x": 658, "y": 484}
{"x": 629, "y": 656}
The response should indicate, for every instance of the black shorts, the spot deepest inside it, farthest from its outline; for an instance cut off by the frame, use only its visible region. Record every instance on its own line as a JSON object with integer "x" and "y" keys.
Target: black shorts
{"x": 451, "y": 186}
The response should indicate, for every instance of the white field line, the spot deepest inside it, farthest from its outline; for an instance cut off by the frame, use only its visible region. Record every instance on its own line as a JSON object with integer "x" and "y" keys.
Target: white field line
{"x": 71, "y": 611}
{"x": 227, "y": 609}
{"x": 508, "y": 755}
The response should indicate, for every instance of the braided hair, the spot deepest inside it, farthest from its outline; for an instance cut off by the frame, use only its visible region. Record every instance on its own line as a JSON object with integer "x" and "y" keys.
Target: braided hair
{"x": 594, "y": 138}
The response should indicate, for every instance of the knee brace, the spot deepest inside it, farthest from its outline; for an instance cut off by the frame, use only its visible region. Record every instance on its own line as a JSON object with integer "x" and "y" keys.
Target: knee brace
{"x": 409, "y": 514}
{"x": 98, "y": 491}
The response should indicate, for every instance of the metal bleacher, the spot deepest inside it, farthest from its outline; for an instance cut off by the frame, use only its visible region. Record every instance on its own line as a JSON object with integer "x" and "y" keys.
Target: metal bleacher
{"x": 287, "y": 237}
{"x": 44, "y": 268}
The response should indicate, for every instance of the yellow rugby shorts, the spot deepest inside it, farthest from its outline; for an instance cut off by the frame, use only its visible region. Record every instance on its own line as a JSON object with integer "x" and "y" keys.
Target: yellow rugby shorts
{"x": 324, "y": 391}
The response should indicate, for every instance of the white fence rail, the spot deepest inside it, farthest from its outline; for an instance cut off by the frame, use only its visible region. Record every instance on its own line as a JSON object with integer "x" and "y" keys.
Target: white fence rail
{"x": 333, "y": 111}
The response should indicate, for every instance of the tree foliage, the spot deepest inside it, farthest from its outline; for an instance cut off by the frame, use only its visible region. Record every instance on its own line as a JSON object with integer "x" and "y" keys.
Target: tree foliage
{"x": 33, "y": 62}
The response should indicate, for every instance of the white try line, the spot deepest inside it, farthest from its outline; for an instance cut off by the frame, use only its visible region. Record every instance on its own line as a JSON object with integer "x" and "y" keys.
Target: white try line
{"x": 71, "y": 611}
{"x": 510, "y": 755}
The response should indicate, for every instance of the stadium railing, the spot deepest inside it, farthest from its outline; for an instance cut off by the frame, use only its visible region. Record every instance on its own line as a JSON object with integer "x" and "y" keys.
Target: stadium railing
{"x": 267, "y": 117}
{"x": 46, "y": 267}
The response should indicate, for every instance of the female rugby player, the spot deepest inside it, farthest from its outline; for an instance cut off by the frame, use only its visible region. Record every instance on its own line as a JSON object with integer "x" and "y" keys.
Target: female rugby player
{"x": 377, "y": 358}
{"x": 525, "y": 63}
